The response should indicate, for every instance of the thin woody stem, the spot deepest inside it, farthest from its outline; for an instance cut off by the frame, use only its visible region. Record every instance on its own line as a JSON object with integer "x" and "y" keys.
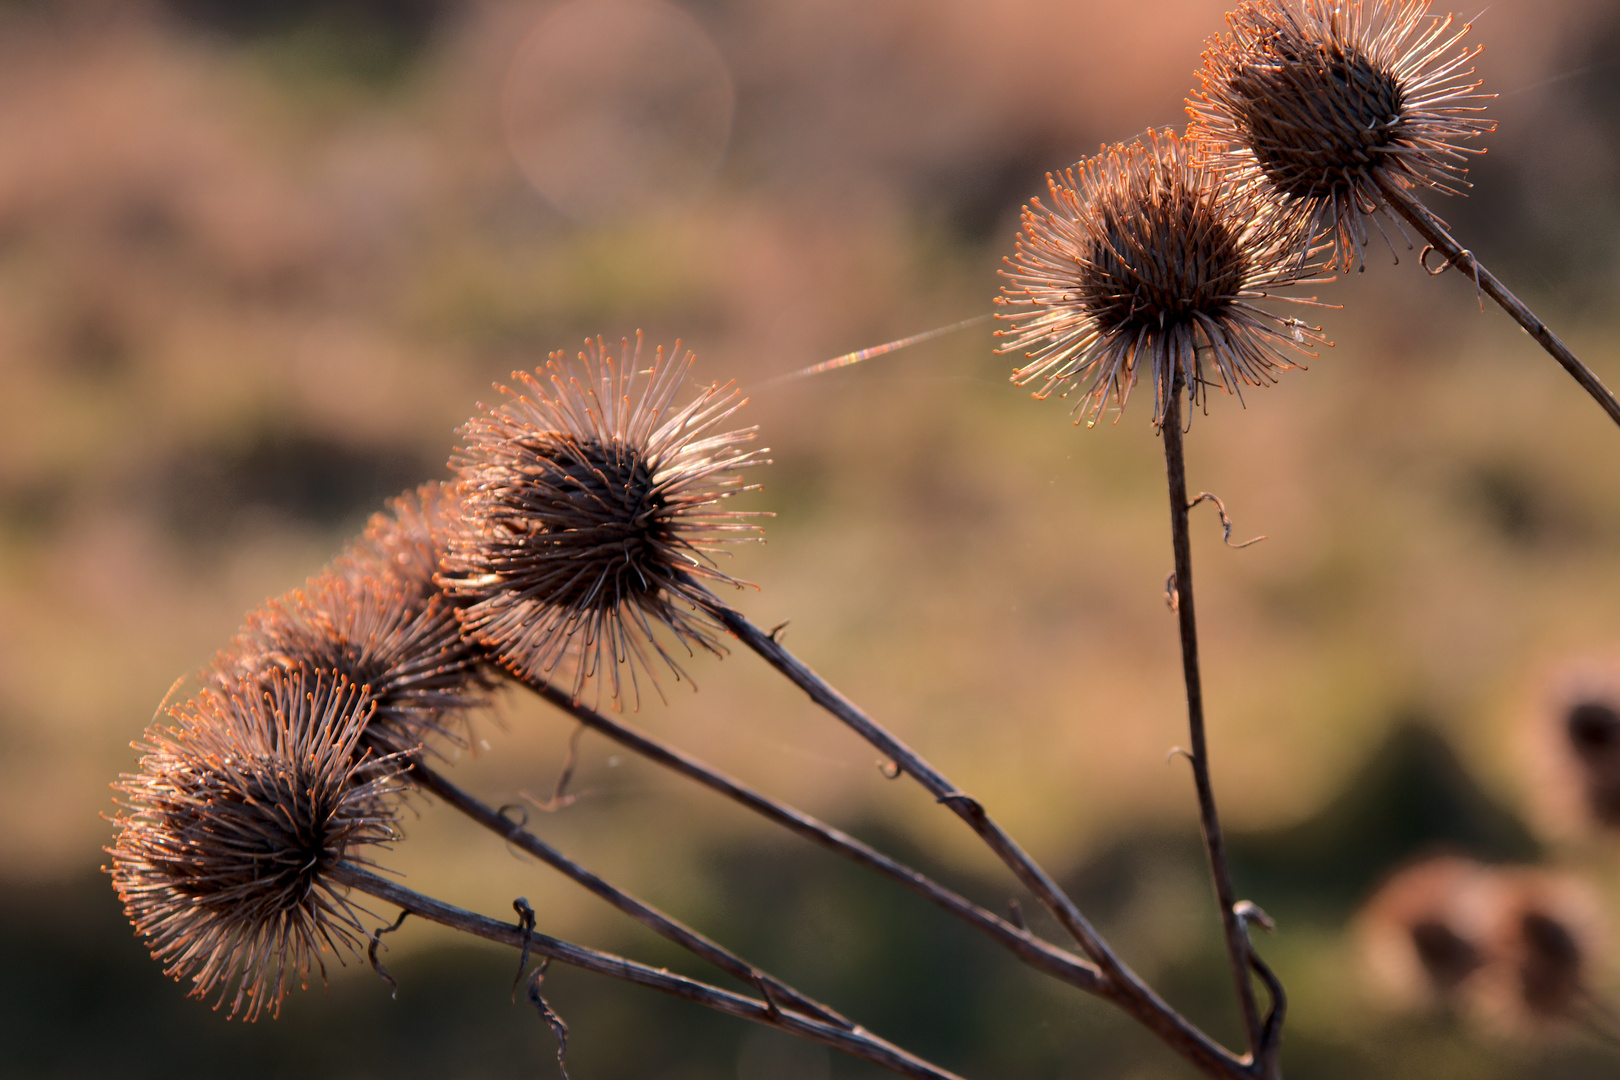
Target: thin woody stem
{"x": 1432, "y": 229}
{"x": 943, "y": 791}
{"x": 855, "y": 1041}
{"x": 1126, "y": 988}
{"x": 490, "y": 818}
{"x": 1032, "y": 950}
{"x": 1237, "y": 942}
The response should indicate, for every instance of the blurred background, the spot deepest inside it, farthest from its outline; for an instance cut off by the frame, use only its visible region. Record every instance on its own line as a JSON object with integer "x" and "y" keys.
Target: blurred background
{"x": 258, "y": 262}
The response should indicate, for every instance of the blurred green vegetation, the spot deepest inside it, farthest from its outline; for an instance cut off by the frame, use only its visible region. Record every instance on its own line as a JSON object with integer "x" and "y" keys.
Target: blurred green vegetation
{"x": 256, "y": 267}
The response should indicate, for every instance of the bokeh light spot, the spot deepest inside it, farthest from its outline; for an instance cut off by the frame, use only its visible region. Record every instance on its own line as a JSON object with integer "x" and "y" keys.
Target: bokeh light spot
{"x": 616, "y": 106}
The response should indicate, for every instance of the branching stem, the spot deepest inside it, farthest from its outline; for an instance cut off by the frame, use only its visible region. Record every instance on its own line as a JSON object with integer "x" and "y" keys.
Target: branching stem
{"x": 855, "y": 1041}
{"x": 1032, "y": 950}
{"x": 490, "y": 818}
{"x": 1237, "y": 942}
{"x": 1120, "y": 984}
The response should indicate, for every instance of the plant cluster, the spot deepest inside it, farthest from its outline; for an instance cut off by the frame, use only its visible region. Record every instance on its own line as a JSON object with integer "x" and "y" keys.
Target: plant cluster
{"x": 572, "y": 552}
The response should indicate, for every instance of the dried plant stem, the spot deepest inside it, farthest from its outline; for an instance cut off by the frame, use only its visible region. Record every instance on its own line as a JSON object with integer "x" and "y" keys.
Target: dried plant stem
{"x": 513, "y": 833}
{"x": 1032, "y": 950}
{"x": 1432, "y": 229}
{"x": 854, "y": 1041}
{"x": 1237, "y": 942}
{"x": 1121, "y": 985}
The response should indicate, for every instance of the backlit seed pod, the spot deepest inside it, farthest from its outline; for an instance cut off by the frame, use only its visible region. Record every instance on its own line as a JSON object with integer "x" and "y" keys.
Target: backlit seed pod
{"x": 244, "y": 805}
{"x": 1148, "y": 263}
{"x": 404, "y": 646}
{"x": 1325, "y": 101}
{"x": 1424, "y": 934}
{"x": 377, "y": 618}
{"x": 407, "y": 540}
{"x": 592, "y": 507}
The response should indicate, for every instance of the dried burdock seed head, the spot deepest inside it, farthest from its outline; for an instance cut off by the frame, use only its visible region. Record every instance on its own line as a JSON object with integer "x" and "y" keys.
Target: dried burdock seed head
{"x": 229, "y": 834}
{"x": 377, "y": 632}
{"x": 1149, "y": 259}
{"x": 1327, "y": 100}
{"x": 1423, "y": 935}
{"x": 1573, "y": 742}
{"x": 376, "y": 617}
{"x": 1545, "y": 942}
{"x": 592, "y": 508}
{"x": 406, "y": 541}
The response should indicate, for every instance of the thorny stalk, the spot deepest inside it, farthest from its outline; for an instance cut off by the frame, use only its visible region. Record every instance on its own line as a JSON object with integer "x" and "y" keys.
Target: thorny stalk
{"x": 855, "y": 1041}
{"x": 514, "y": 833}
{"x": 1432, "y": 229}
{"x": 1237, "y": 942}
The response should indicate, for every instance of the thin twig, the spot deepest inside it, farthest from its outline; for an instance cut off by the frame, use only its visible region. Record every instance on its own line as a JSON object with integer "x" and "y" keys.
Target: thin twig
{"x": 377, "y": 964}
{"x": 1237, "y": 942}
{"x": 857, "y": 1041}
{"x": 513, "y": 833}
{"x": 1434, "y": 231}
{"x": 1039, "y": 954}
{"x": 560, "y": 799}
{"x": 1250, "y": 914}
{"x": 1226, "y": 520}
{"x": 1128, "y": 989}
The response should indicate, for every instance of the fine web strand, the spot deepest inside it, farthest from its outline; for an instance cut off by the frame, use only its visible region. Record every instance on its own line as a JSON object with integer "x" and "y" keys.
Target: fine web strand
{"x": 852, "y": 358}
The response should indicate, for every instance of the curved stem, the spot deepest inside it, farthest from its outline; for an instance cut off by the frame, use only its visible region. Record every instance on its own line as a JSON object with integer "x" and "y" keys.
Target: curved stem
{"x": 513, "y": 833}
{"x": 1237, "y": 943}
{"x": 1032, "y": 950}
{"x": 1128, "y": 990}
{"x": 855, "y": 1041}
{"x": 1432, "y": 229}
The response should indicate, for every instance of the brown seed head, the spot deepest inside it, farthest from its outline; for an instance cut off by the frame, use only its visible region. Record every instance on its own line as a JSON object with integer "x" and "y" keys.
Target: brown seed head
{"x": 1326, "y": 101}
{"x": 228, "y": 836}
{"x": 1545, "y": 943}
{"x": 592, "y": 506}
{"x": 376, "y": 618}
{"x": 421, "y": 674}
{"x": 1149, "y": 258}
{"x": 1573, "y": 743}
{"x": 407, "y": 540}
{"x": 1423, "y": 934}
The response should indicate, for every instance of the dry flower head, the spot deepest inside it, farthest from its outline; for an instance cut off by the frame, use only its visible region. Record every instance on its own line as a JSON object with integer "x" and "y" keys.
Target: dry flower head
{"x": 1545, "y": 942}
{"x": 1572, "y": 739}
{"x": 406, "y": 540}
{"x": 593, "y": 505}
{"x": 228, "y": 836}
{"x": 376, "y": 617}
{"x": 1424, "y": 934}
{"x": 1328, "y": 100}
{"x": 421, "y": 674}
{"x": 1148, "y": 262}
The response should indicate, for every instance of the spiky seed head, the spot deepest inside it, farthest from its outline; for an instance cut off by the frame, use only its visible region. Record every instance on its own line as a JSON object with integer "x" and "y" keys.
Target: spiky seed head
{"x": 227, "y": 838}
{"x": 376, "y": 617}
{"x": 1572, "y": 740}
{"x": 1424, "y": 934}
{"x": 1545, "y": 944}
{"x": 1327, "y": 100}
{"x": 406, "y": 540}
{"x": 593, "y": 505}
{"x": 1150, "y": 261}
{"x": 422, "y": 675}
{"x": 1591, "y": 733}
